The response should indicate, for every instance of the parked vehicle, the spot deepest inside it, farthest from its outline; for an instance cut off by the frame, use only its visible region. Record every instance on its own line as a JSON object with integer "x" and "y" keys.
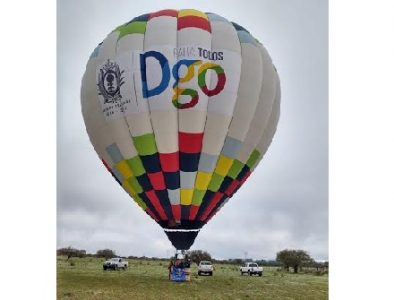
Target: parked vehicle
{"x": 251, "y": 268}
{"x": 205, "y": 267}
{"x": 115, "y": 263}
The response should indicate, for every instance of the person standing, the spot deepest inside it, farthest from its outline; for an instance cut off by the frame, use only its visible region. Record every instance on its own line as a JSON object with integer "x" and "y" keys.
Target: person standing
{"x": 170, "y": 265}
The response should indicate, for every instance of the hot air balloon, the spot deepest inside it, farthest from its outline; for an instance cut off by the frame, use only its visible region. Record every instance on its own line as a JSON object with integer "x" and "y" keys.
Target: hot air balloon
{"x": 180, "y": 106}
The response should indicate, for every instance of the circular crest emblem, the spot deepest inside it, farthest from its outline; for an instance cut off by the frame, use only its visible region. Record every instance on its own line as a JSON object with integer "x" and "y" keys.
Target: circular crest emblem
{"x": 109, "y": 82}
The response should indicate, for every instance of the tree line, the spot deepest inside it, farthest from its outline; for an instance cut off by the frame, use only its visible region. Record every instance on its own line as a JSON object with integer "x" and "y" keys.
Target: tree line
{"x": 286, "y": 259}
{"x": 73, "y": 252}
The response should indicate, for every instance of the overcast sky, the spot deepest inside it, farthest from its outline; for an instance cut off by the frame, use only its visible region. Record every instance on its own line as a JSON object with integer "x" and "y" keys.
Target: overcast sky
{"x": 284, "y": 204}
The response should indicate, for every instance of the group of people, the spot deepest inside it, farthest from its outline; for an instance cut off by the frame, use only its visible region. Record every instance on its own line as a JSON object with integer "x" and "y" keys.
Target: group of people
{"x": 178, "y": 265}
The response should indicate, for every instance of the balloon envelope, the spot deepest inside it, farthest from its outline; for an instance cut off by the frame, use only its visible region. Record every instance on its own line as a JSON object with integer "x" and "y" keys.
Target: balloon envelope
{"x": 180, "y": 106}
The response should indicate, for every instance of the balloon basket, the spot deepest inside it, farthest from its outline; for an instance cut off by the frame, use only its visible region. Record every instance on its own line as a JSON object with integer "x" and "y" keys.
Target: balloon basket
{"x": 180, "y": 267}
{"x": 180, "y": 274}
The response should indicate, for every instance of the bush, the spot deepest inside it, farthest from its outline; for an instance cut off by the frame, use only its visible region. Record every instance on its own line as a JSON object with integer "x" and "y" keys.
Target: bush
{"x": 309, "y": 270}
{"x": 294, "y": 258}
{"x": 198, "y": 255}
{"x": 71, "y": 252}
{"x": 106, "y": 253}
{"x": 321, "y": 272}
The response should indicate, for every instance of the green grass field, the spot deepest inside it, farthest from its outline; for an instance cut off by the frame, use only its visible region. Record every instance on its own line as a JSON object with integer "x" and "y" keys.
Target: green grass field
{"x": 149, "y": 280}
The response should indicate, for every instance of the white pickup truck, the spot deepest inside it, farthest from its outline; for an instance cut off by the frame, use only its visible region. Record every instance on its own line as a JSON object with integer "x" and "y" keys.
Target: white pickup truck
{"x": 251, "y": 268}
{"x": 205, "y": 267}
{"x": 115, "y": 263}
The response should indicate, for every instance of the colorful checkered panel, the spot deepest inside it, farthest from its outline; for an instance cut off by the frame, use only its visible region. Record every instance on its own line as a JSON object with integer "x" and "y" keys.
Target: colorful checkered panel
{"x": 180, "y": 106}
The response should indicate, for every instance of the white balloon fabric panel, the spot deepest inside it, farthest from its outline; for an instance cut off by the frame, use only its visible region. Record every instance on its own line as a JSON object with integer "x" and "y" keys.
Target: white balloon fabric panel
{"x": 180, "y": 106}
